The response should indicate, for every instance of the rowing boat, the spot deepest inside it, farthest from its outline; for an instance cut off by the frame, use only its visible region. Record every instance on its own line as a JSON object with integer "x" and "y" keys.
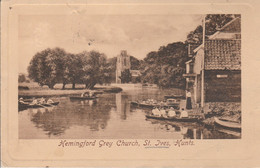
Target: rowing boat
{"x": 227, "y": 124}
{"x": 27, "y": 105}
{"x": 174, "y": 97}
{"x": 167, "y": 104}
{"x": 51, "y": 104}
{"x": 188, "y": 119}
{"x": 150, "y": 105}
{"x": 82, "y": 98}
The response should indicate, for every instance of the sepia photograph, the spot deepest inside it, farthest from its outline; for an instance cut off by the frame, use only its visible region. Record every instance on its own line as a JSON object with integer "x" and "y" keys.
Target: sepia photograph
{"x": 130, "y": 84}
{"x": 129, "y": 76}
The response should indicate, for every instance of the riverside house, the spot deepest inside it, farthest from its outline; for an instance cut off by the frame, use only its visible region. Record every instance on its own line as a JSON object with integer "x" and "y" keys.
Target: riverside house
{"x": 213, "y": 74}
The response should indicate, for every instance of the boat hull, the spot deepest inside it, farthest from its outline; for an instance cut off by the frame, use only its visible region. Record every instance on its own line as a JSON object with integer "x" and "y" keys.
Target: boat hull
{"x": 141, "y": 105}
{"x": 174, "y": 97}
{"x": 173, "y": 119}
{"x": 25, "y": 106}
{"x": 82, "y": 98}
{"x": 228, "y": 124}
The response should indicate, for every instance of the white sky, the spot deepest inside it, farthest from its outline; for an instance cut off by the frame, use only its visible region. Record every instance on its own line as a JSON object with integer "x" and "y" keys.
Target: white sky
{"x": 138, "y": 34}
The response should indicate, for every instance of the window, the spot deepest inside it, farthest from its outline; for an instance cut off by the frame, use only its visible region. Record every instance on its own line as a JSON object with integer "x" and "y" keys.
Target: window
{"x": 222, "y": 76}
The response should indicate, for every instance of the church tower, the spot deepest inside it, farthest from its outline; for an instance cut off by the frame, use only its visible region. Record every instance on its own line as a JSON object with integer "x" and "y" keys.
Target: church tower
{"x": 122, "y": 63}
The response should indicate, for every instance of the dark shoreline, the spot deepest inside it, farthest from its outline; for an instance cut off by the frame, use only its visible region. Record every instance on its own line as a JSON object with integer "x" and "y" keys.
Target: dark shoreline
{"x": 65, "y": 92}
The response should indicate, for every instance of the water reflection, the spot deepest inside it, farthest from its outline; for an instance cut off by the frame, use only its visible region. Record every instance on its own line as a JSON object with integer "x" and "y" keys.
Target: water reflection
{"x": 194, "y": 131}
{"x": 56, "y": 120}
{"x": 110, "y": 116}
{"x": 122, "y": 105}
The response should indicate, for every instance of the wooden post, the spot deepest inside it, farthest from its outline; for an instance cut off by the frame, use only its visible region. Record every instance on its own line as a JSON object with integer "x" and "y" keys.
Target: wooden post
{"x": 203, "y": 66}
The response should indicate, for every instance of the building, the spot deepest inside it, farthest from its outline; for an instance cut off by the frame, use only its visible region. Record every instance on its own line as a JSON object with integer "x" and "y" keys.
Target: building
{"x": 122, "y": 63}
{"x": 213, "y": 74}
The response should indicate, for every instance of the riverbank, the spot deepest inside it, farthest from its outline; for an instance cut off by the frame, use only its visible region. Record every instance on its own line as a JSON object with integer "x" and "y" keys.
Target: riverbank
{"x": 37, "y": 91}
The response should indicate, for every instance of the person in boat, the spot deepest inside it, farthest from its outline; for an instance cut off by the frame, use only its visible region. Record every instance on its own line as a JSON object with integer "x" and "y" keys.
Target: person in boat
{"x": 91, "y": 94}
{"x": 42, "y": 100}
{"x": 83, "y": 94}
{"x": 184, "y": 114}
{"x": 21, "y": 101}
{"x": 86, "y": 94}
{"x": 171, "y": 112}
{"x": 156, "y": 112}
{"x": 35, "y": 101}
{"x": 188, "y": 100}
{"x": 50, "y": 101}
{"x": 153, "y": 111}
{"x": 162, "y": 112}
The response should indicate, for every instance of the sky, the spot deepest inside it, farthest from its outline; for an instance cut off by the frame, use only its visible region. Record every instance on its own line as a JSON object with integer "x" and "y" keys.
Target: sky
{"x": 109, "y": 34}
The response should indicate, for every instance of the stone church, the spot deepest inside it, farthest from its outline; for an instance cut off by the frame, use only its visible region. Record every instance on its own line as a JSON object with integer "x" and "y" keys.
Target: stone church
{"x": 122, "y": 63}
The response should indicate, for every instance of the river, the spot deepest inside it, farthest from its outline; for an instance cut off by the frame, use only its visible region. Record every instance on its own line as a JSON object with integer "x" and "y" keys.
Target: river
{"x": 111, "y": 116}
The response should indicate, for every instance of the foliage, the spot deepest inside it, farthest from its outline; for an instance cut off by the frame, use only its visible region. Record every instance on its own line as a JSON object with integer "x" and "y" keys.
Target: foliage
{"x": 21, "y": 78}
{"x": 52, "y": 66}
{"x": 213, "y": 22}
{"x": 94, "y": 68}
{"x": 46, "y": 67}
{"x": 126, "y": 76}
{"x": 135, "y": 63}
{"x": 166, "y": 66}
{"x": 111, "y": 69}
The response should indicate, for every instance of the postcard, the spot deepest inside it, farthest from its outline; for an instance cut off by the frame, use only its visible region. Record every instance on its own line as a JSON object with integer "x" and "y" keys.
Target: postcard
{"x": 112, "y": 83}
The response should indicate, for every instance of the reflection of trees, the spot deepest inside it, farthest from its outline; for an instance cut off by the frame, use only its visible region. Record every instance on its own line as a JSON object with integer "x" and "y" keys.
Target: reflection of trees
{"x": 62, "y": 117}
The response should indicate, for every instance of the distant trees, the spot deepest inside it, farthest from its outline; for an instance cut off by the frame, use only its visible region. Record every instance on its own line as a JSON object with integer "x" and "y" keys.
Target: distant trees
{"x": 166, "y": 66}
{"x": 52, "y": 66}
{"x": 213, "y": 22}
{"x": 135, "y": 63}
{"x": 126, "y": 76}
{"x": 21, "y": 78}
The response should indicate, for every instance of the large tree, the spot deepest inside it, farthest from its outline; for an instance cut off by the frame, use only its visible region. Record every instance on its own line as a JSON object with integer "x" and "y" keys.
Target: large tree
{"x": 94, "y": 68}
{"x": 46, "y": 67}
{"x": 166, "y": 66}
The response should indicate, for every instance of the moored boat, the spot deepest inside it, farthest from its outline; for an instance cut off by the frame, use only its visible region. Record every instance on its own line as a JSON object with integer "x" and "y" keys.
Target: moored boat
{"x": 174, "y": 96}
{"x": 178, "y": 119}
{"x": 228, "y": 124}
{"x": 150, "y": 104}
{"x": 23, "y": 106}
{"x": 51, "y": 104}
{"x": 82, "y": 98}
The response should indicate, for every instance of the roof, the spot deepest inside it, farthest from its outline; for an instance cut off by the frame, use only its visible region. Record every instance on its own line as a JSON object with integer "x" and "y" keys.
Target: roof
{"x": 197, "y": 49}
{"x": 223, "y": 54}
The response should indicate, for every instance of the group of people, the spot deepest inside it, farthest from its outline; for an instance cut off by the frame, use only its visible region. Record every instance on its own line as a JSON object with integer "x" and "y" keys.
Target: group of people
{"x": 87, "y": 94}
{"x": 36, "y": 101}
{"x": 149, "y": 101}
{"x": 168, "y": 113}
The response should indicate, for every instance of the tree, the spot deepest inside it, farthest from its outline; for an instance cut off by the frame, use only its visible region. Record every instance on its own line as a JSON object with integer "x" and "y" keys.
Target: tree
{"x": 94, "y": 68}
{"x": 135, "y": 63}
{"x": 46, "y": 67}
{"x": 213, "y": 22}
{"x": 21, "y": 78}
{"x": 166, "y": 66}
{"x": 111, "y": 69}
{"x": 126, "y": 76}
{"x": 74, "y": 69}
